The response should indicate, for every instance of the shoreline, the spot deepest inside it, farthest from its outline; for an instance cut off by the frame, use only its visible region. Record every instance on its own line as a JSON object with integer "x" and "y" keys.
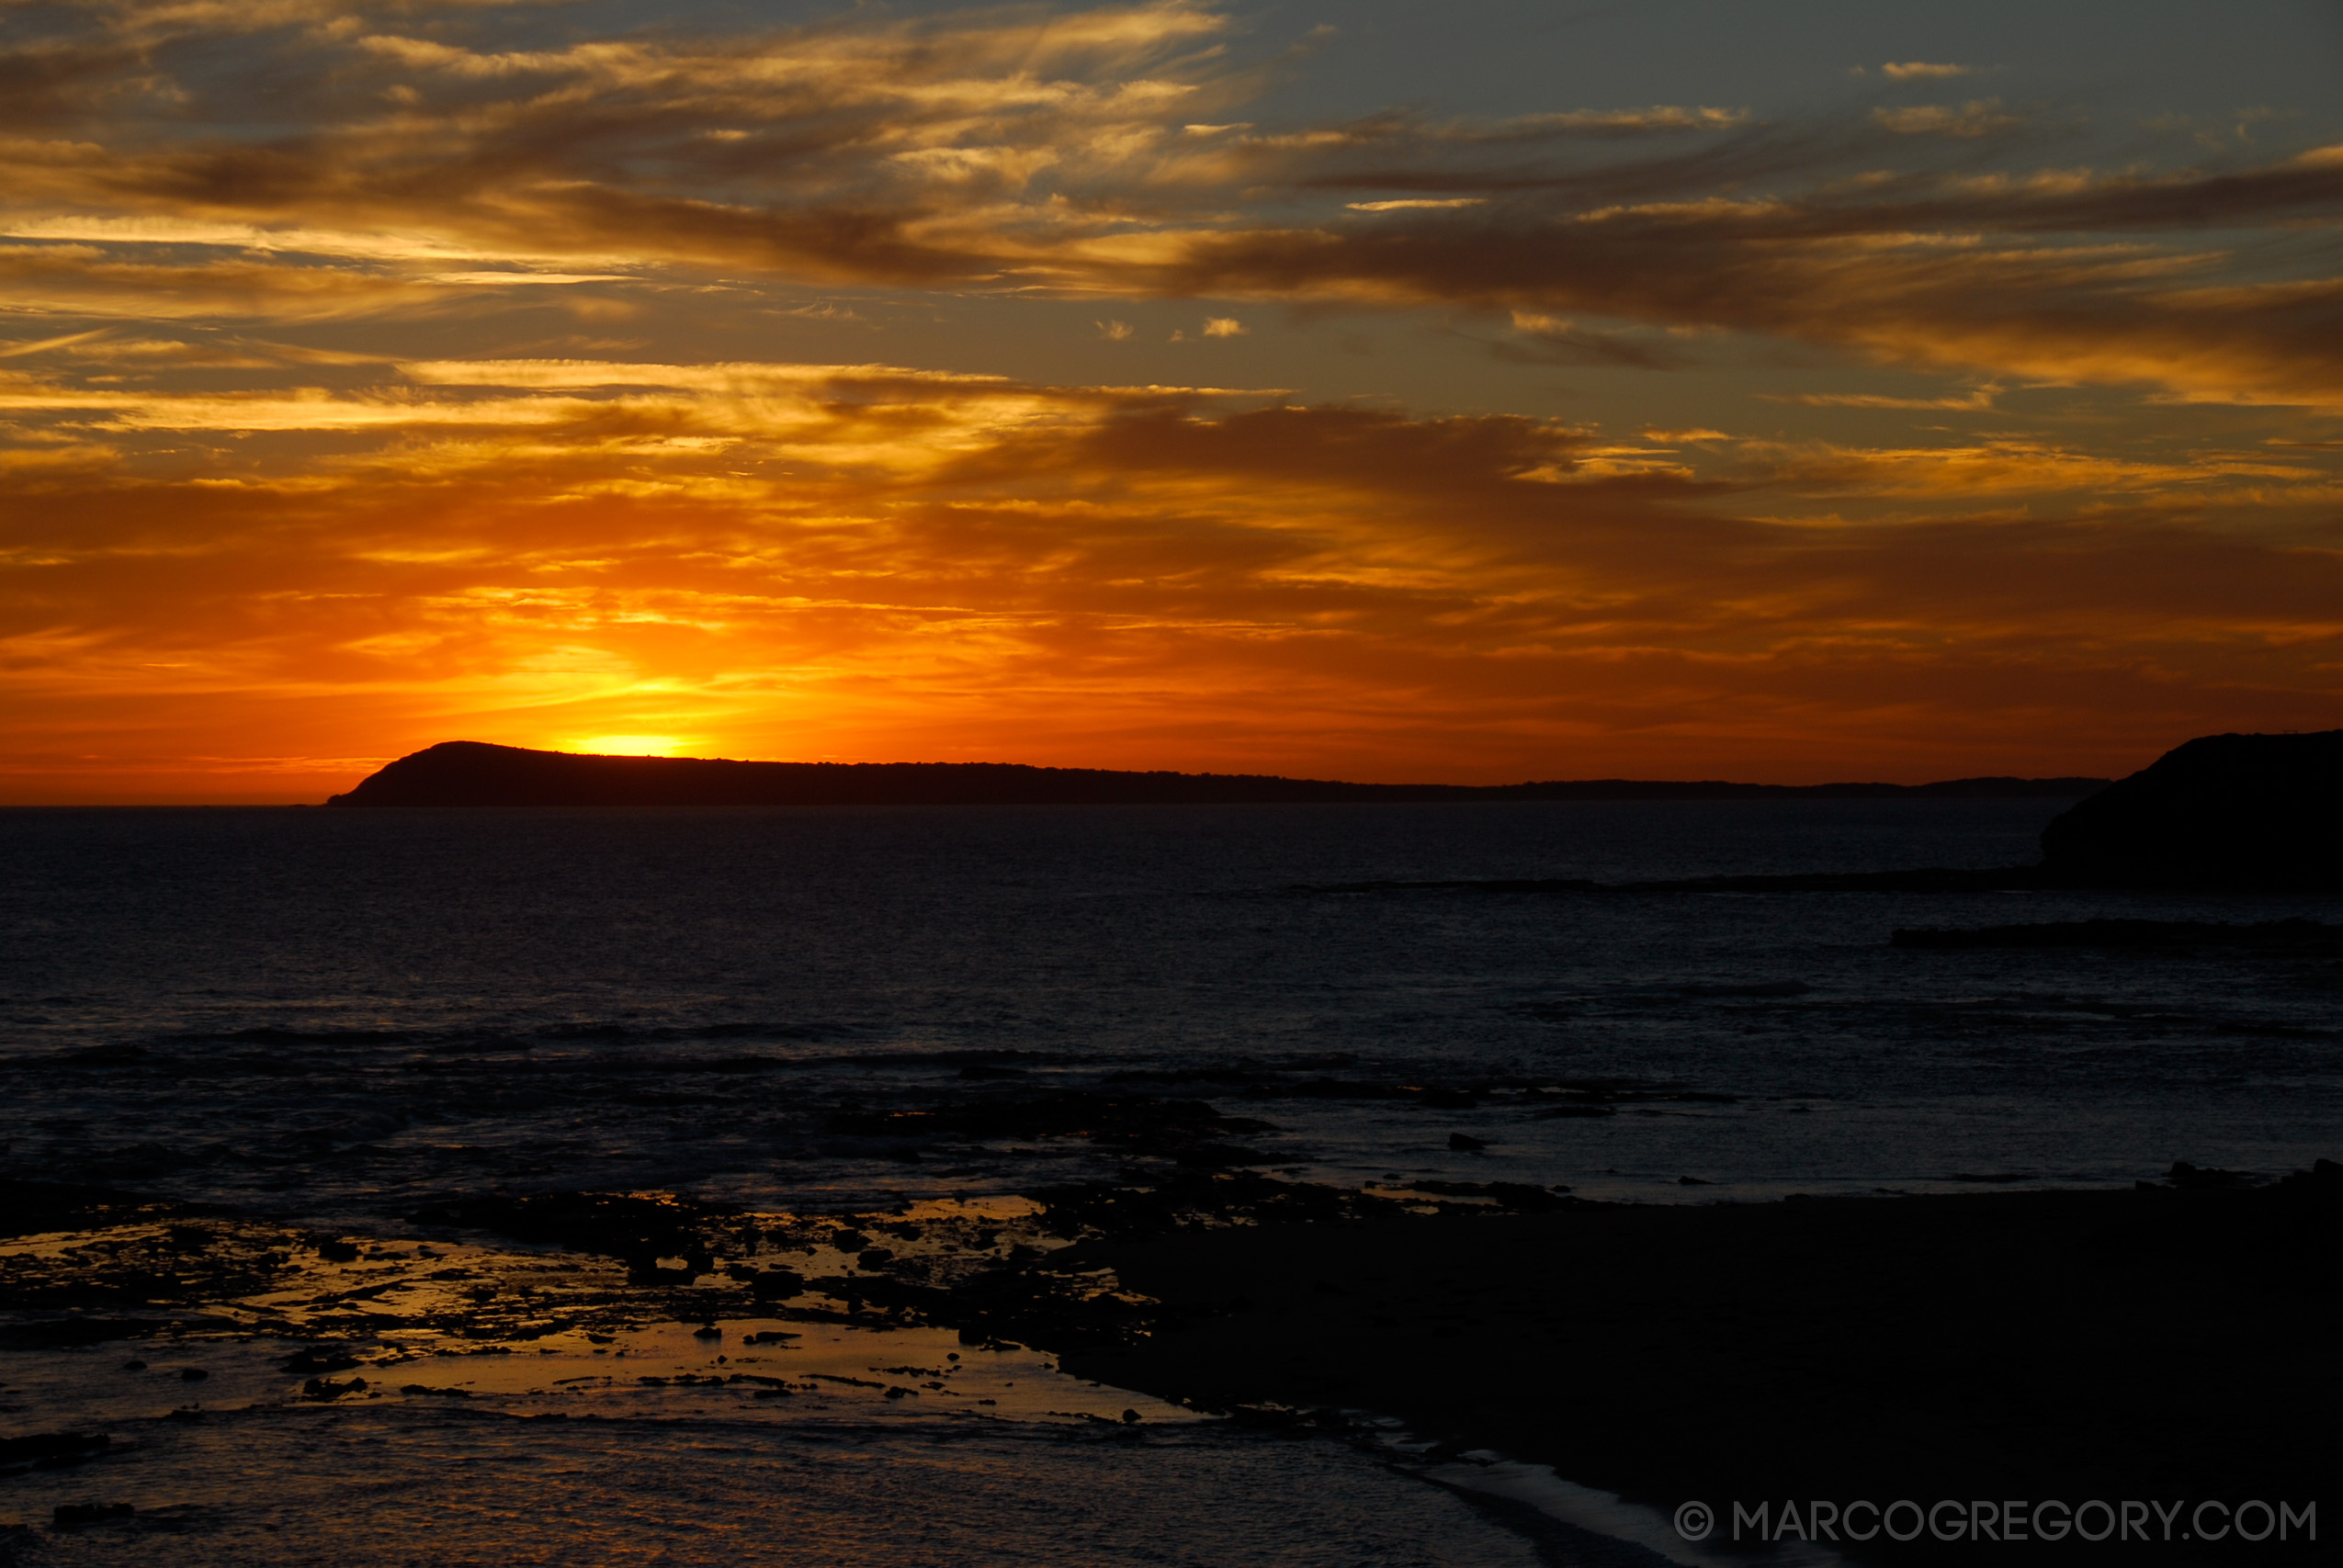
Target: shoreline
{"x": 2166, "y": 1344}
{"x": 2156, "y": 1344}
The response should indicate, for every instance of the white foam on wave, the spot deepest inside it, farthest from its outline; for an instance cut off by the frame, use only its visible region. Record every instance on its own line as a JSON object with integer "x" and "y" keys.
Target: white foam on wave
{"x": 1606, "y": 1513}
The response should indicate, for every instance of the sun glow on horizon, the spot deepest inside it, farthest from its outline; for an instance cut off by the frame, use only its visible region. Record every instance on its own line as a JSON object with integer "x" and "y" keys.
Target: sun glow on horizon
{"x": 630, "y": 746}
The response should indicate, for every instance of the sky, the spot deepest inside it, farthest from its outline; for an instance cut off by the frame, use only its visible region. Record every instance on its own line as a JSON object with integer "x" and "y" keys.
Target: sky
{"x": 1787, "y": 390}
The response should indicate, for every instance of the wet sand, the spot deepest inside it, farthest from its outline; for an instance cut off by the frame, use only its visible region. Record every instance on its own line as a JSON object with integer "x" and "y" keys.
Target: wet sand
{"x": 2151, "y": 1345}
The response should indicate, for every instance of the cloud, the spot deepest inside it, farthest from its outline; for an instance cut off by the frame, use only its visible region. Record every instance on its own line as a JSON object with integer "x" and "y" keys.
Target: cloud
{"x": 312, "y": 430}
{"x": 1542, "y": 339}
{"x": 1920, "y": 71}
{"x": 1086, "y": 153}
{"x": 866, "y": 553}
{"x": 1223, "y": 326}
{"x": 1978, "y": 116}
{"x": 1977, "y": 401}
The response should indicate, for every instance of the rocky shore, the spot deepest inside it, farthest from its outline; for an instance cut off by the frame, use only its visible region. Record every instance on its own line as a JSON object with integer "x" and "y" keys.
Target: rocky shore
{"x": 2173, "y": 1342}
{"x": 2167, "y": 1343}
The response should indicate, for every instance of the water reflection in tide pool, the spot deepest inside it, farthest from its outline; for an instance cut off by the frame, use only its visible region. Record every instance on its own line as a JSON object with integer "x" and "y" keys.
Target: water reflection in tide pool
{"x": 739, "y": 1440}
{"x": 416, "y": 1479}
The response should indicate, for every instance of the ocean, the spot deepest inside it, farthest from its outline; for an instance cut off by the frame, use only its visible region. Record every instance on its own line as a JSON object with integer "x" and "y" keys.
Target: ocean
{"x": 344, "y": 1025}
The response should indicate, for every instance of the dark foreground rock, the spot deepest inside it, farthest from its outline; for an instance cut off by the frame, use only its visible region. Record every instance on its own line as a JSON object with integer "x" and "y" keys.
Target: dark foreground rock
{"x": 30, "y": 1208}
{"x": 2172, "y": 1343}
{"x": 75, "y": 1516}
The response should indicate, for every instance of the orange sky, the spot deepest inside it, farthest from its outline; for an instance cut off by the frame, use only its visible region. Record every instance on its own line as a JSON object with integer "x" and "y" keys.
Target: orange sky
{"x": 1147, "y": 386}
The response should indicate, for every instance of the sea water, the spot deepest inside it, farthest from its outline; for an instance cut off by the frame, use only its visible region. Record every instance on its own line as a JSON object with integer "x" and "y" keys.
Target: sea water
{"x": 333, "y": 1019}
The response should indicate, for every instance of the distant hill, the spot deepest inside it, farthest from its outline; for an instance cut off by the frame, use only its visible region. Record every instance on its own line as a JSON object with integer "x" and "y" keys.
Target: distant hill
{"x": 470, "y": 772}
{"x": 2222, "y": 811}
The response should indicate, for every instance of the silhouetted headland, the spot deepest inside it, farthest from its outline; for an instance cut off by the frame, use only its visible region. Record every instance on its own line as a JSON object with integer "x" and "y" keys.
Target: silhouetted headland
{"x": 2239, "y": 812}
{"x": 470, "y": 772}
{"x": 2224, "y": 811}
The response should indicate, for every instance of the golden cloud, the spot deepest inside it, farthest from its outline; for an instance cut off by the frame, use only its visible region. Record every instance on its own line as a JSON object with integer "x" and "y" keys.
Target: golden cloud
{"x": 864, "y": 554}
{"x": 233, "y": 511}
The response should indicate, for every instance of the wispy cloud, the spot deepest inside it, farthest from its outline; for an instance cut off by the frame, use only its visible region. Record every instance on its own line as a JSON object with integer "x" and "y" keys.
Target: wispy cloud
{"x": 1977, "y": 401}
{"x": 875, "y": 547}
{"x": 1978, "y": 116}
{"x": 223, "y": 489}
{"x": 1075, "y": 152}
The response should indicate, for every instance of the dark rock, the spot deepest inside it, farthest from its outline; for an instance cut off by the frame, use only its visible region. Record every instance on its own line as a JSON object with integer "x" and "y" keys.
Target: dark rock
{"x": 52, "y": 1449}
{"x": 709, "y": 1331}
{"x": 776, "y": 1284}
{"x": 318, "y": 1359}
{"x": 338, "y": 1251}
{"x": 636, "y": 1230}
{"x": 1218, "y": 1156}
{"x": 1692, "y": 1181}
{"x": 325, "y": 1389}
{"x": 1506, "y": 1194}
{"x": 2222, "y": 811}
{"x": 192, "y": 1374}
{"x": 134, "y": 1365}
{"x": 2203, "y": 1178}
{"x": 873, "y": 1256}
{"x": 1465, "y": 1142}
{"x": 72, "y": 1516}
{"x": 30, "y": 1208}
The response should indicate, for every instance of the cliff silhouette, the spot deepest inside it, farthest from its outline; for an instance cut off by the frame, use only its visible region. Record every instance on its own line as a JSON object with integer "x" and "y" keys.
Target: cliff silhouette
{"x": 2221, "y": 812}
{"x": 472, "y": 773}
